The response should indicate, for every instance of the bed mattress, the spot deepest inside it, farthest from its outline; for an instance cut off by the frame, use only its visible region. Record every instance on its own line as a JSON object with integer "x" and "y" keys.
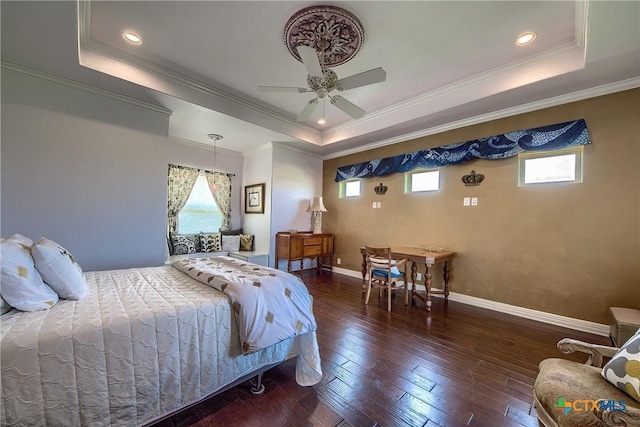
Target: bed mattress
{"x": 142, "y": 344}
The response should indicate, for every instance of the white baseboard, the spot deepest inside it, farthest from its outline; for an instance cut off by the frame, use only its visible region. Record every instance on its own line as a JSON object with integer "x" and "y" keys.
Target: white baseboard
{"x": 540, "y": 316}
{"x": 345, "y": 272}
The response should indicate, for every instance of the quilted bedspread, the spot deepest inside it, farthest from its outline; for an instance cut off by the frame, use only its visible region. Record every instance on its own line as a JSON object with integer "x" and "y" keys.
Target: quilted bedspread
{"x": 269, "y": 305}
{"x": 142, "y": 344}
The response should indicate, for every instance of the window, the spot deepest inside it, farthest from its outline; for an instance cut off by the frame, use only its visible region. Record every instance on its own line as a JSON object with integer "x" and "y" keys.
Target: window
{"x": 350, "y": 189}
{"x": 200, "y": 214}
{"x": 556, "y": 166}
{"x": 416, "y": 182}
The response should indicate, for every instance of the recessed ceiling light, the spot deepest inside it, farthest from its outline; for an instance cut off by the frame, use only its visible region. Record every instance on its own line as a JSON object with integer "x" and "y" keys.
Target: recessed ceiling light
{"x": 526, "y": 38}
{"x": 132, "y": 38}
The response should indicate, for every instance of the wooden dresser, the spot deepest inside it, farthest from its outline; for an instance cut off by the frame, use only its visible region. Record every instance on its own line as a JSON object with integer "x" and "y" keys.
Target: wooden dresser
{"x": 304, "y": 244}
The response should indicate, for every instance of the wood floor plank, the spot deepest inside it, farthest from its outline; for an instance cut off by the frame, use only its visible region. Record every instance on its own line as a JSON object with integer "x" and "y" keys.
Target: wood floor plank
{"x": 458, "y": 365}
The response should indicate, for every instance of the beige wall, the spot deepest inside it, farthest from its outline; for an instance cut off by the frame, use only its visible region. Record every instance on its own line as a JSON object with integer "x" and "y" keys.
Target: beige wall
{"x": 569, "y": 249}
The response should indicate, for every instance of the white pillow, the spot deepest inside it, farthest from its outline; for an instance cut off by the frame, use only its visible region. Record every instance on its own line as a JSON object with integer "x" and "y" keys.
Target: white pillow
{"x": 22, "y": 287}
{"x": 21, "y": 239}
{"x": 59, "y": 269}
{"x": 231, "y": 243}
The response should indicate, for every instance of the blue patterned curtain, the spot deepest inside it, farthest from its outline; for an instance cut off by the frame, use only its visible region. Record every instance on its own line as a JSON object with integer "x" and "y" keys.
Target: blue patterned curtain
{"x": 553, "y": 137}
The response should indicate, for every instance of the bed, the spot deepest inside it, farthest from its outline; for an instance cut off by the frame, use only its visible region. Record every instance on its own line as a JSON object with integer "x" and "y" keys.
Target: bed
{"x": 147, "y": 342}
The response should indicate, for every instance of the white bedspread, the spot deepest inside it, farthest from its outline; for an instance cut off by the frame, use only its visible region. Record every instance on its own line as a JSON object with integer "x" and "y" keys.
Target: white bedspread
{"x": 142, "y": 344}
{"x": 269, "y": 305}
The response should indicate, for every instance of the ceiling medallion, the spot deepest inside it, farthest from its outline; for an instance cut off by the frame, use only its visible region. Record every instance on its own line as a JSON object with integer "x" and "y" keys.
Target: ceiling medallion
{"x": 336, "y": 33}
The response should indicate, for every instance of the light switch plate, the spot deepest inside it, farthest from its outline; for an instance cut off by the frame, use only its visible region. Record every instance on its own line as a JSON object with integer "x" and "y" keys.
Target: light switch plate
{"x": 466, "y": 201}
{"x": 474, "y": 201}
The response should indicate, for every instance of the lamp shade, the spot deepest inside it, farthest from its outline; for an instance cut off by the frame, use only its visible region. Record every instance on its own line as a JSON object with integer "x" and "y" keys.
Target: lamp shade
{"x": 316, "y": 205}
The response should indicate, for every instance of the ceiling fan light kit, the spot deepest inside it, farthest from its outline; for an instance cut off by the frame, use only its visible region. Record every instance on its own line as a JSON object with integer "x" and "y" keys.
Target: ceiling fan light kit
{"x": 322, "y": 37}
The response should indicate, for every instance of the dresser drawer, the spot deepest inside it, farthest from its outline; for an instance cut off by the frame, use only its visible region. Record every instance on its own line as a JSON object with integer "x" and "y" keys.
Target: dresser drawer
{"x": 312, "y": 250}
{"x": 313, "y": 241}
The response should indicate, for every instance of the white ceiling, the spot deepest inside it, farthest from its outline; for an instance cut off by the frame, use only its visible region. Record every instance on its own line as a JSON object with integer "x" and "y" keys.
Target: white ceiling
{"x": 448, "y": 63}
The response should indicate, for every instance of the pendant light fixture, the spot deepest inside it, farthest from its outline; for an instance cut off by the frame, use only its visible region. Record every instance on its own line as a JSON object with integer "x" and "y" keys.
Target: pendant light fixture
{"x": 215, "y": 137}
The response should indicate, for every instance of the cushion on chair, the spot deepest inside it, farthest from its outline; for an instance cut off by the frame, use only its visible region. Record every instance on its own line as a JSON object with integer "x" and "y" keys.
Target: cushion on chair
{"x": 573, "y": 381}
{"x": 395, "y": 273}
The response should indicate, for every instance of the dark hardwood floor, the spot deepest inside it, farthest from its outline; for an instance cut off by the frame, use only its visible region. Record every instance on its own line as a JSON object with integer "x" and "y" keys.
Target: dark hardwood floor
{"x": 458, "y": 366}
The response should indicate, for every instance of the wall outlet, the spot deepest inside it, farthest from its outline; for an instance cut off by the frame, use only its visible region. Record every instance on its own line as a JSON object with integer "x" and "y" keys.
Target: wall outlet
{"x": 338, "y": 261}
{"x": 418, "y": 276}
{"x": 466, "y": 201}
{"x": 474, "y": 201}
{"x": 378, "y": 205}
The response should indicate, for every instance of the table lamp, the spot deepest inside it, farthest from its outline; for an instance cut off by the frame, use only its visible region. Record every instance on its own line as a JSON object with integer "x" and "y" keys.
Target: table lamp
{"x": 316, "y": 207}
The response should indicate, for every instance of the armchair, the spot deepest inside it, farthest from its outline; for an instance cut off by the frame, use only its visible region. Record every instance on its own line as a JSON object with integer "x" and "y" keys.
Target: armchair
{"x": 567, "y": 393}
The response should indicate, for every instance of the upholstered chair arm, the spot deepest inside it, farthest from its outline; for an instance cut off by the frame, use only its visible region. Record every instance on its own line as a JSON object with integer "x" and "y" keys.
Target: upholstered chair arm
{"x": 596, "y": 352}
{"x": 629, "y": 417}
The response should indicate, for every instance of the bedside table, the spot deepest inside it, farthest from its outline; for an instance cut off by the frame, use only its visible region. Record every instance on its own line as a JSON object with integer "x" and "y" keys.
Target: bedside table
{"x": 254, "y": 257}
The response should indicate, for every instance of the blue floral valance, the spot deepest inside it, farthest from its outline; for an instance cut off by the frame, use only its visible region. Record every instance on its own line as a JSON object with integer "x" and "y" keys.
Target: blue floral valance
{"x": 553, "y": 137}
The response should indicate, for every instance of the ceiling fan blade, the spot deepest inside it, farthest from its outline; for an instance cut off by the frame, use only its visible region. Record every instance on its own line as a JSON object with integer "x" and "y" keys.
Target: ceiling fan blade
{"x": 310, "y": 60}
{"x": 308, "y": 109}
{"x": 347, "y": 106}
{"x": 282, "y": 89}
{"x": 376, "y": 75}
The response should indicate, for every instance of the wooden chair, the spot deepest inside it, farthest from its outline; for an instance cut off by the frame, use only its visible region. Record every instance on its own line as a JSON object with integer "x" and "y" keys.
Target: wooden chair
{"x": 383, "y": 272}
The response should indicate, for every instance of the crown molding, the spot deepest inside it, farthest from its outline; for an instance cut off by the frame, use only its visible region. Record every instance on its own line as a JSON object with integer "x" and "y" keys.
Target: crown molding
{"x": 285, "y": 146}
{"x": 19, "y": 69}
{"x": 567, "y": 57}
{"x": 496, "y": 115}
{"x": 118, "y": 63}
{"x": 555, "y": 61}
{"x": 282, "y": 145}
{"x": 203, "y": 145}
{"x": 562, "y": 59}
{"x": 454, "y": 87}
{"x": 258, "y": 149}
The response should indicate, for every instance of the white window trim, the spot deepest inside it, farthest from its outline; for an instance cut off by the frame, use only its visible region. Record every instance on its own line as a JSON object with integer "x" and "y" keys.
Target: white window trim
{"x": 523, "y": 157}
{"x": 343, "y": 189}
{"x": 408, "y": 181}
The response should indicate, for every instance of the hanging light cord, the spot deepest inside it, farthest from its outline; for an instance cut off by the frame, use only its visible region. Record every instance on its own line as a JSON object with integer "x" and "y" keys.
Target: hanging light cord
{"x": 215, "y": 139}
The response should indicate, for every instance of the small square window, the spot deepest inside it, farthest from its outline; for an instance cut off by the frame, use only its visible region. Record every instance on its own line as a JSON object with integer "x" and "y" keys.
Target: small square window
{"x": 350, "y": 189}
{"x": 557, "y": 166}
{"x": 416, "y": 182}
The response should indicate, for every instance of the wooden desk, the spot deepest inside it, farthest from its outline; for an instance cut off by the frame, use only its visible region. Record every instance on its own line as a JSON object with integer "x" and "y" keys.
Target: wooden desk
{"x": 304, "y": 244}
{"x": 419, "y": 255}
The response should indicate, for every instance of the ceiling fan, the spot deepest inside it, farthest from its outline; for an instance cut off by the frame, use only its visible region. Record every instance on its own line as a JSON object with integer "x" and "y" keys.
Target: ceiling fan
{"x": 322, "y": 81}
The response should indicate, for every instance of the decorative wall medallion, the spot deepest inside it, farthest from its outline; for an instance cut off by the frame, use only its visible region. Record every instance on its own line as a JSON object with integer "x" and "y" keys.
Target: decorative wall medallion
{"x": 472, "y": 179}
{"x": 380, "y": 189}
{"x": 336, "y": 33}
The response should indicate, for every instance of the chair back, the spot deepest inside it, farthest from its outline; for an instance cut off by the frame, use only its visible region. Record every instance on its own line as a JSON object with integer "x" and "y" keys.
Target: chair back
{"x": 378, "y": 258}
{"x": 383, "y": 272}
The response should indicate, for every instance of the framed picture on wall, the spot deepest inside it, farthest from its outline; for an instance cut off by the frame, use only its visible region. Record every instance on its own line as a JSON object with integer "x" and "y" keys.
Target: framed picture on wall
{"x": 254, "y": 199}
